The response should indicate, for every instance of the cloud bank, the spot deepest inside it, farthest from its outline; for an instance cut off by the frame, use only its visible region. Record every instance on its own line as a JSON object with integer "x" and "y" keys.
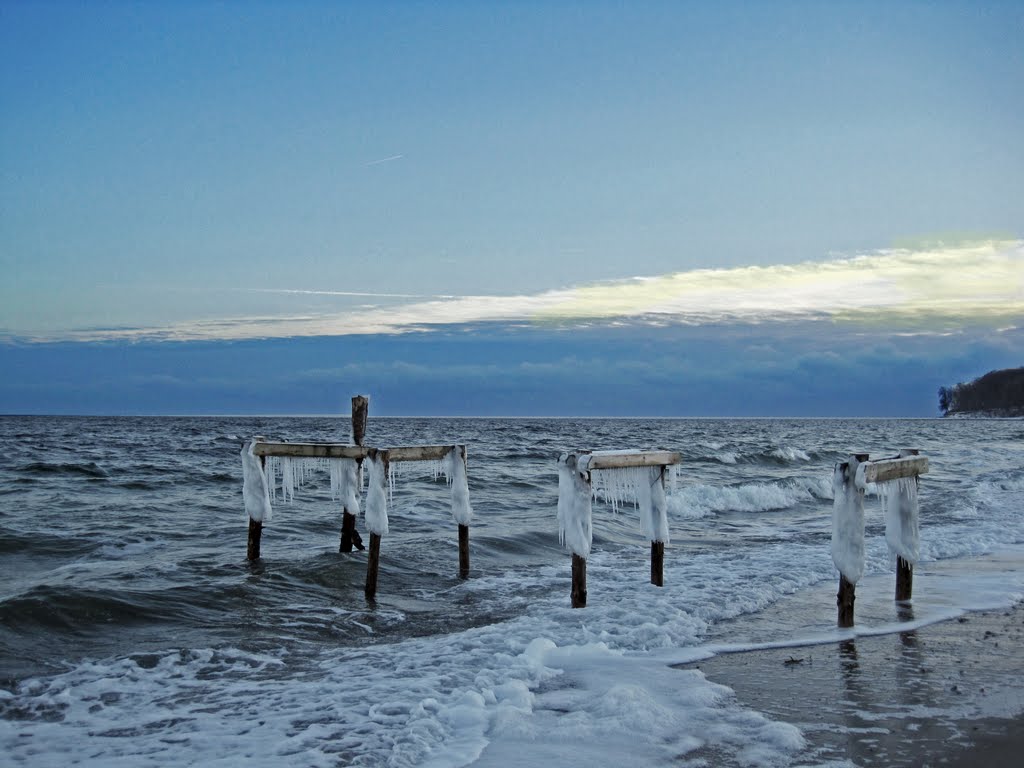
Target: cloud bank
{"x": 937, "y": 290}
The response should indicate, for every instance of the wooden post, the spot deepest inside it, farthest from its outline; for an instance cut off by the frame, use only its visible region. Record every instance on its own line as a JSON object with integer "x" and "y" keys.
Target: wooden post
{"x": 657, "y": 563}
{"x": 372, "y": 565}
{"x": 845, "y": 600}
{"x": 904, "y": 580}
{"x": 905, "y": 570}
{"x": 360, "y": 410}
{"x": 255, "y": 532}
{"x": 252, "y": 550}
{"x": 463, "y": 551}
{"x": 846, "y": 595}
{"x": 579, "y": 582}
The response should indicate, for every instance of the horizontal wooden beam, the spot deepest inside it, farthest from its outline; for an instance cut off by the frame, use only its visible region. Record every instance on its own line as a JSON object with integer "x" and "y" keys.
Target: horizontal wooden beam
{"x": 311, "y": 450}
{"x": 343, "y": 451}
{"x": 628, "y": 459}
{"x": 893, "y": 469}
{"x": 418, "y": 453}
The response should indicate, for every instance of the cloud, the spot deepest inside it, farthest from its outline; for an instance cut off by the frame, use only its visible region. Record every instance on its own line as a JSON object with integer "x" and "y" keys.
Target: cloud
{"x": 932, "y": 291}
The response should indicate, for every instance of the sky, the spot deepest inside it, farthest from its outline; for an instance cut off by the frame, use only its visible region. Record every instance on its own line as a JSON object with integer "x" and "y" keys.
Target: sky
{"x": 535, "y": 208}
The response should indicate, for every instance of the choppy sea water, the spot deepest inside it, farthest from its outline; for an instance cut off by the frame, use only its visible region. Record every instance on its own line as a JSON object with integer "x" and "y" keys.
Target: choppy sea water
{"x": 133, "y": 631}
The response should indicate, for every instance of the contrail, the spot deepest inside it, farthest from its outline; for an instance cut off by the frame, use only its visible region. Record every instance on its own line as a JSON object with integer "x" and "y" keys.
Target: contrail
{"x": 383, "y": 160}
{"x": 354, "y": 293}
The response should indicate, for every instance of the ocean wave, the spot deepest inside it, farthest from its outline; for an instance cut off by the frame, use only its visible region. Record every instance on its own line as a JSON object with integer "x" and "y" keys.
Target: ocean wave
{"x": 696, "y": 501}
{"x": 87, "y": 469}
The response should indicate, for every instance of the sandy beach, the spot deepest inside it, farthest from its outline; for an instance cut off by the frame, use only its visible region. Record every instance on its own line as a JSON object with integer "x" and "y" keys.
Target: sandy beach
{"x": 946, "y": 694}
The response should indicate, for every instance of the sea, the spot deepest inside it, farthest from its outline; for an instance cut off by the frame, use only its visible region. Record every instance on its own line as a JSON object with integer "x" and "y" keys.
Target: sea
{"x": 134, "y": 632}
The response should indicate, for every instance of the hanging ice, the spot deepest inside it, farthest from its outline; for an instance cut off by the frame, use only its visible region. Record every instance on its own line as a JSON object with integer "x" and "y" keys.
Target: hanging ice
{"x": 899, "y": 502}
{"x": 644, "y": 487}
{"x": 345, "y": 485}
{"x": 376, "y": 495}
{"x": 255, "y": 491}
{"x": 848, "y": 521}
{"x": 454, "y": 467}
{"x": 575, "y": 529}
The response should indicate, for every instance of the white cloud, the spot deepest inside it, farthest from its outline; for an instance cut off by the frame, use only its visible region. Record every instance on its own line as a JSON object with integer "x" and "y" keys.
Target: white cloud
{"x": 916, "y": 291}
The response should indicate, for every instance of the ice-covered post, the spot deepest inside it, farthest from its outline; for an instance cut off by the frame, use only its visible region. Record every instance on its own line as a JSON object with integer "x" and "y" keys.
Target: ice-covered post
{"x": 654, "y": 529}
{"x": 456, "y": 467}
{"x": 360, "y": 410}
{"x": 376, "y": 514}
{"x": 575, "y": 525}
{"x": 898, "y": 481}
{"x": 256, "y": 494}
{"x": 848, "y": 533}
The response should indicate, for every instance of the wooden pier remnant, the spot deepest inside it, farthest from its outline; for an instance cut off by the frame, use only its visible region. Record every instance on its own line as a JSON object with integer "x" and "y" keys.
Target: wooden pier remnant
{"x": 647, "y": 473}
{"x": 850, "y": 480}
{"x": 450, "y": 460}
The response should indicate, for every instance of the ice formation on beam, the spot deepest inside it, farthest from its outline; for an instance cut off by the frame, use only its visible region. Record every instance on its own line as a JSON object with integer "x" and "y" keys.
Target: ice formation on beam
{"x": 346, "y": 483}
{"x": 644, "y": 487}
{"x": 254, "y": 486}
{"x": 575, "y": 528}
{"x": 377, "y": 494}
{"x": 294, "y": 472}
{"x": 899, "y": 502}
{"x": 848, "y": 520}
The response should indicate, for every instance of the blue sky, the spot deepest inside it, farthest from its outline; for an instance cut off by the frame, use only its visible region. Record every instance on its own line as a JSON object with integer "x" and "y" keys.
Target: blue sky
{"x": 721, "y": 209}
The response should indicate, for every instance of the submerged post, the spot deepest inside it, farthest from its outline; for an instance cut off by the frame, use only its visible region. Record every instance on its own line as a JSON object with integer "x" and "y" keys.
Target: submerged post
{"x": 844, "y": 601}
{"x": 372, "y": 566}
{"x": 349, "y": 535}
{"x": 252, "y": 551}
{"x": 658, "y": 563}
{"x": 463, "y": 551}
{"x": 579, "y": 581}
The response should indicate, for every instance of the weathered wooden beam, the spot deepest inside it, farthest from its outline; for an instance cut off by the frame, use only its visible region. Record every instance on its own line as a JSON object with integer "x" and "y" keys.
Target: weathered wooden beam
{"x": 579, "y": 581}
{"x": 628, "y": 459}
{"x": 310, "y": 450}
{"x": 419, "y": 453}
{"x": 892, "y": 469}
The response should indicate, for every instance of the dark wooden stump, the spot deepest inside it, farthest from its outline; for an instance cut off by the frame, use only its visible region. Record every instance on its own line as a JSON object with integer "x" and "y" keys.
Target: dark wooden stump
{"x": 904, "y": 579}
{"x": 658, "y": 563}
{"x": 360, "y": 410}
{"x": 463, "y": 551}
{"x": 348, "y": 528}
{"x": 372, "y": 565}
{"x": 579, "y": 582}
{"x": 255, "y": 532}
{"x": 844, "y": 600}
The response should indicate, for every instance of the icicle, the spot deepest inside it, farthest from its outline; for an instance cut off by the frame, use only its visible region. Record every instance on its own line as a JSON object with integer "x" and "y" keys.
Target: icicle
{"x": 899, "y": 503}
{"x": 575, "y": 528}
{"x": 287, "y": 479}
{"x": 377, "y": 495}
{"x": 454, "y": 468}
{"x": 848, "y": 522}
{"x": 254, "y": 486}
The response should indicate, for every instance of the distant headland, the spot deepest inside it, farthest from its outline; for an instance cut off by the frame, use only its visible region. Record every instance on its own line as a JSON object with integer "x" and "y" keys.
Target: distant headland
{"x": 997, "y": 393}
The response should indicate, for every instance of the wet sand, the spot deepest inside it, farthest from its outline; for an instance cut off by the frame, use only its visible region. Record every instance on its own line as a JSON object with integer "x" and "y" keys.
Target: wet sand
{"x": 946, "y": 694}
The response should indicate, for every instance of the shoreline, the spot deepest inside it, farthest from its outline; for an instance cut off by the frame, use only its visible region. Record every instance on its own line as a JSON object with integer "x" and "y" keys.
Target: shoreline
{"x": 949, "y": 693}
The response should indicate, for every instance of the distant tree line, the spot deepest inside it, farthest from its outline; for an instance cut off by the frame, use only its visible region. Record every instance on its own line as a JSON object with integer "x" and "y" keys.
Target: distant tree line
{"x": 1001, "y": 392}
